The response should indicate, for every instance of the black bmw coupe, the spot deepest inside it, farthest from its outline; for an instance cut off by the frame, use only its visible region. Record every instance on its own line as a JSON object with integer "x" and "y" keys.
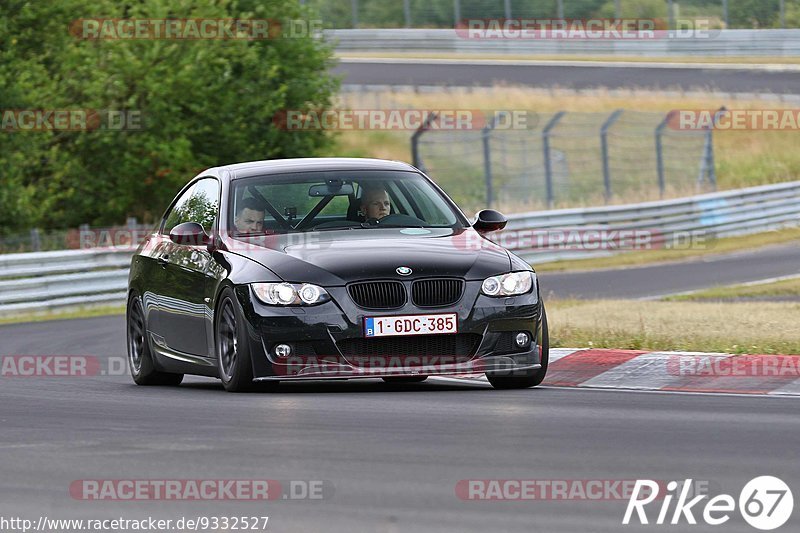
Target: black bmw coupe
{"x": 309, "y": 269}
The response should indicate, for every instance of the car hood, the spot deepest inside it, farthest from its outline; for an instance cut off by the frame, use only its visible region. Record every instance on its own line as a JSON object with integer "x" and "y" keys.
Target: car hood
{"x": 339, "y": 257}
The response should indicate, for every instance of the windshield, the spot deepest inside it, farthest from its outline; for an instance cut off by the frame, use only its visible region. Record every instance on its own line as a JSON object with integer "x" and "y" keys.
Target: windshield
{"x": 327, "y": 201}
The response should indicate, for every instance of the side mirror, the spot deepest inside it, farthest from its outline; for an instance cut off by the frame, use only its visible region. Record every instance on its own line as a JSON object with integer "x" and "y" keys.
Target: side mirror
{"x": 490, "y": 220}
{"x": 189, "y": 233}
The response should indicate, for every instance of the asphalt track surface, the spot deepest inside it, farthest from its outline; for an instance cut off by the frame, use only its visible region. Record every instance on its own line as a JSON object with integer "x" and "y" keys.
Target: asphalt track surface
{"x": 391, "y": 455}
{"x": 671, "y": 278}
{"x": 419, "y": 72}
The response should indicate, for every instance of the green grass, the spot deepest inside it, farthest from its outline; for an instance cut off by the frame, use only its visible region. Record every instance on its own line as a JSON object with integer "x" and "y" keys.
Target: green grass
{"x": 714, "y": 247}
{"x": 67, "y": 314}
{"x": 755, "y": 328}
{"x": 787, "y": 288}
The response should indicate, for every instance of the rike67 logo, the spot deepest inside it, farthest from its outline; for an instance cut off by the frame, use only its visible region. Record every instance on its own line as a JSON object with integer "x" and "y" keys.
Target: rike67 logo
{"x": 766, "y": 503}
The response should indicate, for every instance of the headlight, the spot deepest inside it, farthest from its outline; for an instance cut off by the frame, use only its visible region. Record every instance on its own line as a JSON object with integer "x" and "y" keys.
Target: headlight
{"x": 289, "y": 294}
{"x": 511, "y": 284}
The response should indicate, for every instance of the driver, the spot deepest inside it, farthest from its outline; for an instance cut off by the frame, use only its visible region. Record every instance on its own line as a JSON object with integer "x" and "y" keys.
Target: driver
{"x": 375, "y": 202}
{"x": 249, "y": 216}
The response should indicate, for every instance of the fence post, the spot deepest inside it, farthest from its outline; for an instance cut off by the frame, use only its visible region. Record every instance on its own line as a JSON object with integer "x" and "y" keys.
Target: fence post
{"x": 548, "y": 167}
{"x": 782, "y": 7}
{"x": 707, "y": 164}
{"x": 560, "y": 9}
{"x": 604, "y": 146}
{"x": 456, "y": 12}
{"x": 725, "y": 14}
{"x": 407, "y": 12}
{"x": 617, "y": 10}
{"x": 712, "y": 170}
{"x": 415, "y": 157}
{"x": 487, "y": 162}
{"x": 662, "y": 182}
{"x": 670, "y": 15}
{"x": 83, "y": 232}
{"x": 354, "y": 10}
{"x": 36, "y": 242}
{"x": 508, "y": 9}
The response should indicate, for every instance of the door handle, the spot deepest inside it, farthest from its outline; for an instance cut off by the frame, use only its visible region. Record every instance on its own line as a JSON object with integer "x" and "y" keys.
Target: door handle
{"x": 163, "y": 260}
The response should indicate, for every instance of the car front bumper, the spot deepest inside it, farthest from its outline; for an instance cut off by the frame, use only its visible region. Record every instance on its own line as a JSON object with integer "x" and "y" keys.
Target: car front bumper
{"x": 328, "y": 340}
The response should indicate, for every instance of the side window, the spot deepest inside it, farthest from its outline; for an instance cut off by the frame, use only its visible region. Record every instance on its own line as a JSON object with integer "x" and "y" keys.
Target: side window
{"x": 174, "y": 217}
{"x": 205, "y": 203}
{"x": 199, "y": 203}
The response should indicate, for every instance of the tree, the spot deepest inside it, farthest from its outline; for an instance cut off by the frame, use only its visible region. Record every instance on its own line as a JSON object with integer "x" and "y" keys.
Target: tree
{"x": 203, "y": 103}
{"x": 754, "y": 13}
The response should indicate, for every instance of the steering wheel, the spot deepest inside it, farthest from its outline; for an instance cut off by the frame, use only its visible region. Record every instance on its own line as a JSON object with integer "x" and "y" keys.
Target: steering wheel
{"x": 396, "y": 219}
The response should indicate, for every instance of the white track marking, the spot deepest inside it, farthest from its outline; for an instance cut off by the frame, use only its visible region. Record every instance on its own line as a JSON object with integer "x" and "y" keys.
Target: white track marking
{"x": 792, "y": 389}
{"x": 559, "y": 353}
{"x": 667, "y": 392}
{"x": 646, "y": 371}
{"x": 649, "y": 372}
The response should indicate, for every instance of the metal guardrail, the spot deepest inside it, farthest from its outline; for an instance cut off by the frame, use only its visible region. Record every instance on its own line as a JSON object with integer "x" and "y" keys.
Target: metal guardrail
{"x": 722, "y": 43}
{"x": 41, "y": 281}
{"x": 47, "y": 280}
{"x": 665, "y": 224}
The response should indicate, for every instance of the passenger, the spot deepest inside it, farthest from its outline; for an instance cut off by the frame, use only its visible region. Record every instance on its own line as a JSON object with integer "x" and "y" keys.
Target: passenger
{"x": 249, "y": 217}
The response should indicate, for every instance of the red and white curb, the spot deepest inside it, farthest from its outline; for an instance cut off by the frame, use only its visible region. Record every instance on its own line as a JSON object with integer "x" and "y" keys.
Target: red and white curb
{"x": 774, "y": 375}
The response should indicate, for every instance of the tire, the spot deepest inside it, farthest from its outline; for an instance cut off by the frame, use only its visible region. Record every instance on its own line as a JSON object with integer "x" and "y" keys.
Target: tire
{"x": 140, "y": 357}
{"x": 405, "y": 379}
{"x": 531, "y": 378}
{"x": 234, "y": 362}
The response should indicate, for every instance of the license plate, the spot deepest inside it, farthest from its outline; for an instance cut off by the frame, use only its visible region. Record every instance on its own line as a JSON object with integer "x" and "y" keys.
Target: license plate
{"x": 410, "y": 325}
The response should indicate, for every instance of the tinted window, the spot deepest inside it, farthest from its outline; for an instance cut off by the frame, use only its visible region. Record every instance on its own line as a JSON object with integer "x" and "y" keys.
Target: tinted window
{"x": 199, "y": 203}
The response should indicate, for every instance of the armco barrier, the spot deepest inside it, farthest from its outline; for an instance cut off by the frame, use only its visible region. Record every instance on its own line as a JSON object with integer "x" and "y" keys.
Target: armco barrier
{"x": 725, "y": 43}
{"x": 47, "y": 280}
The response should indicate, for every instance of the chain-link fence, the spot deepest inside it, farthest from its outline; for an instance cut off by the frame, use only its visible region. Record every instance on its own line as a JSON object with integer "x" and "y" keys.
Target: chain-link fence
{"x": 567, "y": 159}
{"x": 445, "y": 13}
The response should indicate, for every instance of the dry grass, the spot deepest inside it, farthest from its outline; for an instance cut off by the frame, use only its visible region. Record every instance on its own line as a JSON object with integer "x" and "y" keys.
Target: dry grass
{"x": 546, "y": 100}
{"x": 743, "y": 158}
{"x": 757, "y": 328}
{"x": 787, "y": 288}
